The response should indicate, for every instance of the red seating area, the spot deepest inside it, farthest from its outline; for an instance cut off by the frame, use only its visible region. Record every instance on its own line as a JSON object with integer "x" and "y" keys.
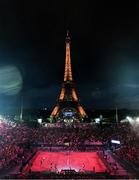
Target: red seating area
{"x": 16, "y": 141}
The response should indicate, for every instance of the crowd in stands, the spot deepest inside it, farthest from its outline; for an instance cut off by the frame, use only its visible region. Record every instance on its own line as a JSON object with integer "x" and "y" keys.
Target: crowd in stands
{"x": 129, "y": 150}
{"x": 129, "y": 139}
{"x": 14, "y": 149}
{"x": 17, "y": 140}
{"x": 38, "y": 175}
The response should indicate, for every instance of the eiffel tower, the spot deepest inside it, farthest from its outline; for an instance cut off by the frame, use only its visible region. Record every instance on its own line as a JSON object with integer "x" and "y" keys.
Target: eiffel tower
{"x": 68, "y": 105}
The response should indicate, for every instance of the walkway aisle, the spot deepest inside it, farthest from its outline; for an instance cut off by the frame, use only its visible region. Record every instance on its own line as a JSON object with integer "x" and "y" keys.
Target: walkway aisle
{"x": 116, "y": 168}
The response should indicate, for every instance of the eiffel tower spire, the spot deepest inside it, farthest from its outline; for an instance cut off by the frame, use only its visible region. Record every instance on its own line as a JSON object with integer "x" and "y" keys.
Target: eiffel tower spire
{"x": 68, "y": 71}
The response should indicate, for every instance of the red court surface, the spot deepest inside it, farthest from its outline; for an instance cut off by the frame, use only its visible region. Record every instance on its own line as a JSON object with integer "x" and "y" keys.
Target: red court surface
{"x": 56, "y": 161}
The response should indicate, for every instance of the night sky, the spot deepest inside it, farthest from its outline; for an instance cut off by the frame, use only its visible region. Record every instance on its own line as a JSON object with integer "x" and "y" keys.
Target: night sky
{"x": 104, "y": 52}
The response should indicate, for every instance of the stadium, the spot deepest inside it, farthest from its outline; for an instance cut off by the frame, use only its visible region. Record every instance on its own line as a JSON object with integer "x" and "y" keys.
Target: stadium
{"x": 83, "y": 130}
{"x": 67, "y": 147}
{"x": 79, "y": 151}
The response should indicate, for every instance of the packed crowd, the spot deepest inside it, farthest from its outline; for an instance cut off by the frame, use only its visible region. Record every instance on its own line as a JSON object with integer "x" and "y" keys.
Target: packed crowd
{"x": 39, "y": 175}
{"x": 129, "y": 150}
{"x": 14, "y": 147}
{"x": 129, "y": 142}
{"x": 17, "y": 140}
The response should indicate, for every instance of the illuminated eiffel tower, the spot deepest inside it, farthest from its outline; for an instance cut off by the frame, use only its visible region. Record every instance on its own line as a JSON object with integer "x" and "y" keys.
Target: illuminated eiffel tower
{"x": 68, "y": 105}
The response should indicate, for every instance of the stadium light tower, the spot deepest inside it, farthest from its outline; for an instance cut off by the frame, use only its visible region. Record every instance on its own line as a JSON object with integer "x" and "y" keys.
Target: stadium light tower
{"x": 21, "y": 108}
{"x": 116, "y": 115}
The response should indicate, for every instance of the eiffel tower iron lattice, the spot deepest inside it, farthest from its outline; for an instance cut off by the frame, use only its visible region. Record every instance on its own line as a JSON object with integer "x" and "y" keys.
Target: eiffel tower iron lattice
{"x": 68, "y": 105}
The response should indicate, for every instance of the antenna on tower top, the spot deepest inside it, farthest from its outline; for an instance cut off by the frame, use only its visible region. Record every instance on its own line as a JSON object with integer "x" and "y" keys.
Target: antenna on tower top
{"x": 67, "y": 33}
{"x": 67, "y": 37}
